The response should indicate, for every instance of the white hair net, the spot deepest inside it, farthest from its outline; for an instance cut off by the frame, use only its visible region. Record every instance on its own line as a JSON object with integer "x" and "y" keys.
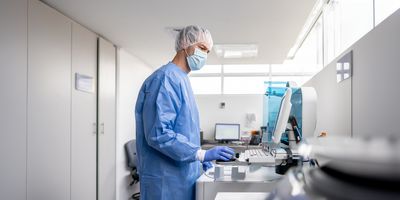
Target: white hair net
{"x": 191, "y": 35}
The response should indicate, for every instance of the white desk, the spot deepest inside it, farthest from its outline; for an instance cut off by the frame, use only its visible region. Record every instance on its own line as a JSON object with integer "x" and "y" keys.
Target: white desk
{"x": 242, "y": 195}
{"x": 258, "y": 179}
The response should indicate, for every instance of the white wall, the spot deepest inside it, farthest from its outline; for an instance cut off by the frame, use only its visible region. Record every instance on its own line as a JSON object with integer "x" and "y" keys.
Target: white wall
{"x": 236, "y": 107}
{"x": 333, "y": 102}
{"x": 376, "y": 90}
{"x": 371, "y": 95}
{"x": 131, "y": 72}
{"x": 13, "y": 99}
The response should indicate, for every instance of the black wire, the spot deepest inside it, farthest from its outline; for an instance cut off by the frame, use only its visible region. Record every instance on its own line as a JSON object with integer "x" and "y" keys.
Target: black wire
{"x": 136, "y": 196}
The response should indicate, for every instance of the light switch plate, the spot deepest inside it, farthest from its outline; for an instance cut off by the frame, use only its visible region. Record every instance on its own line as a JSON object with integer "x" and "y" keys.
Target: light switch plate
{"x": 344, "y": 67}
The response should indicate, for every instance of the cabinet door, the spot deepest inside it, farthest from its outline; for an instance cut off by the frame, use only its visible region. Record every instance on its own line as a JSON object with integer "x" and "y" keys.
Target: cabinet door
{"x": 106, "y": 120}
{"x": 83, "y": 112}
{"x": 13, "y": 78}
{"x": 49, "y": 103}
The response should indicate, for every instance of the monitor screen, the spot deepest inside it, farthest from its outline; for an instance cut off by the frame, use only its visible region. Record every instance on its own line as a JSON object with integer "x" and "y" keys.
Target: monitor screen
{"x": 227, "y": 131}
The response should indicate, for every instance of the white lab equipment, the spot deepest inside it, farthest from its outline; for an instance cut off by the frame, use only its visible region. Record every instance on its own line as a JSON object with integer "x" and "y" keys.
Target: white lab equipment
{"x": 348, "y": 168}
{"x": 255, "y": 179}
{"x": 218, "y": 172}
{"x": 237, "y": 174}
{"x": 292, "y": 118}
{"x": 259, "y": 156}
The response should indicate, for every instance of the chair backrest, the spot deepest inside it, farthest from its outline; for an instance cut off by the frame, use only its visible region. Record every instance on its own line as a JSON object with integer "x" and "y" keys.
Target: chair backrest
{"x": 130, "y": 150}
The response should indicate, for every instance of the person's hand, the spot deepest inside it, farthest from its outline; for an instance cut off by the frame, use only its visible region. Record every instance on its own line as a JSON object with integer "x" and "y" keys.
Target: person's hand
{"x": 219, "y": 153}
{"x": 207, "y": 165}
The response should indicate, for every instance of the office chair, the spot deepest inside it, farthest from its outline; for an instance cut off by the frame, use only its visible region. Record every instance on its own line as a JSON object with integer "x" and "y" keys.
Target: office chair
{"x": 130, "y": 150}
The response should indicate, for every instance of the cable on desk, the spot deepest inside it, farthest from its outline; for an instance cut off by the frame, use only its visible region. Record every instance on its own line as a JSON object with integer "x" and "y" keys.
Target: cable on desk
{"x": 205, "y": 174}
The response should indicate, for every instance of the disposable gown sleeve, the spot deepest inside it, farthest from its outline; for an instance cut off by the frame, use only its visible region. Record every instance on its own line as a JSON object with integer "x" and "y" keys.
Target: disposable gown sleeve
{"x": 162, "y": 136}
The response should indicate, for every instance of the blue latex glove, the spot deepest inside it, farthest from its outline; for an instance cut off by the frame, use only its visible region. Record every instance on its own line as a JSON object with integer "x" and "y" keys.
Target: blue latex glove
{"x": 219, "y": 153}
{"x": 207, "y": 165}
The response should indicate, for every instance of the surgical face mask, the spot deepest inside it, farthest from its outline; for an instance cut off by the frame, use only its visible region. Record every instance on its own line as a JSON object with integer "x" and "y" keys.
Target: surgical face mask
{"x": 197, "y": 60}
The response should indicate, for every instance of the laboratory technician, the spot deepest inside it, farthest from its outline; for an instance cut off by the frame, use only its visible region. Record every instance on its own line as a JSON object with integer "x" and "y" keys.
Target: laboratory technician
{"x": 167, "y": 124}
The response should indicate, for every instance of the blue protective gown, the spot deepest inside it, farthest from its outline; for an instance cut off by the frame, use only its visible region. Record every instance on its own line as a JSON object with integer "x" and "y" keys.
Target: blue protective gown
{"x": 167, "y": 136}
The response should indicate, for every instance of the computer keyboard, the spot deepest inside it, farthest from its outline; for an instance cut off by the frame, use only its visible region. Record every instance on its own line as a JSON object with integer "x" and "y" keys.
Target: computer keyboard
{"x": 258, "y": 156}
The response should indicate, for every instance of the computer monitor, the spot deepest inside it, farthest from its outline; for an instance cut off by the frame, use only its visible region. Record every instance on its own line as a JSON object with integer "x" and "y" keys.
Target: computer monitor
{"x": 283, "y": 116}
{"x": 227, "y": 132}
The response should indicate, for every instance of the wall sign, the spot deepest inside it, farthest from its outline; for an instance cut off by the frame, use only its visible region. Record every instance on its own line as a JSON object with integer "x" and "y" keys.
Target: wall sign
{"x": 84, "y": 83}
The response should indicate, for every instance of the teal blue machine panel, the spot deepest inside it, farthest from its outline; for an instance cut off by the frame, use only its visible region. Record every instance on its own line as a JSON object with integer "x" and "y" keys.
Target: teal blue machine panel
{"x": 272, "y": 103}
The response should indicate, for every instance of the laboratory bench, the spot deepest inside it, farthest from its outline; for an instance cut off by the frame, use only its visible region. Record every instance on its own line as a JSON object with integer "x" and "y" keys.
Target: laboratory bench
{"x": 258, "y": 179}
{"x": 242, "y": 195}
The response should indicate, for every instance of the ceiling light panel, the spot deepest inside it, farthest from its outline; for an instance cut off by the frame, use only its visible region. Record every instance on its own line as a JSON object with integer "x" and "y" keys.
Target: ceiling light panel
{"x": 236, "y": 50}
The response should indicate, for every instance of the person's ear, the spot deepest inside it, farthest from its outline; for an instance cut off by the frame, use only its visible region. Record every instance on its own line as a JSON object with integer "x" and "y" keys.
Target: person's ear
{"x": 183, "y": 52}
{"x": 190, "y": 50}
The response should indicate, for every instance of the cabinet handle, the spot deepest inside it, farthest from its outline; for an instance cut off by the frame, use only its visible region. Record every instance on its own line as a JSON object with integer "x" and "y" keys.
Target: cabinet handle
{"x": 94, "y": 128}
{"x": 102, "y": 128}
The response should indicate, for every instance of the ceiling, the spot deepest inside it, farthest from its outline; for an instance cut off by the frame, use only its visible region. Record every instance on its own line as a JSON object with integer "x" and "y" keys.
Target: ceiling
{"x": 139, "y": 26}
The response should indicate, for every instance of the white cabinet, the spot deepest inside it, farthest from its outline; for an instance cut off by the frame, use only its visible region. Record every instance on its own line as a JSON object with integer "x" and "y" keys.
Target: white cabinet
{"x": 106, "y": 119}
{"x": 83, "y": 114}
{"x": 50, "y": 145}
{"x": 13, "y": 78}
{"x": 49, "y": 104}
